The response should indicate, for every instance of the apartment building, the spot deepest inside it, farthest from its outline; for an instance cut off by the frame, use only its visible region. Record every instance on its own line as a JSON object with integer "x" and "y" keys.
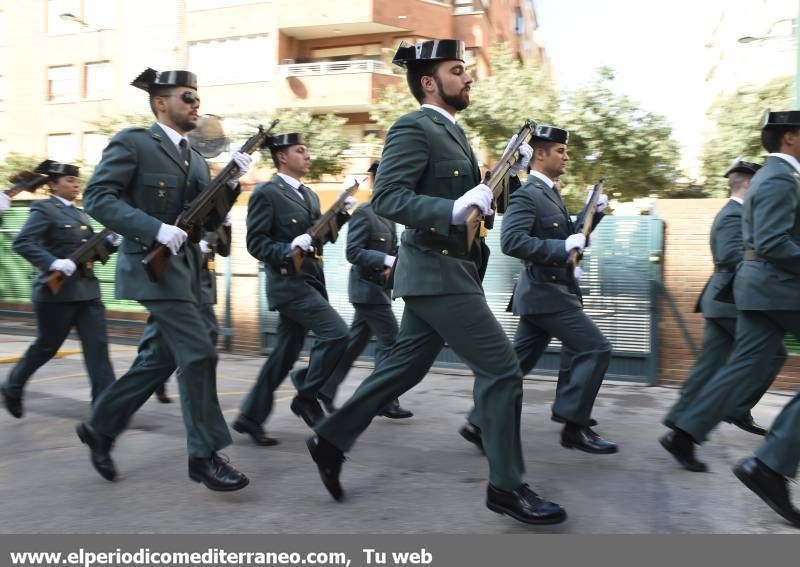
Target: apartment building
{"x": 65, "y": 65}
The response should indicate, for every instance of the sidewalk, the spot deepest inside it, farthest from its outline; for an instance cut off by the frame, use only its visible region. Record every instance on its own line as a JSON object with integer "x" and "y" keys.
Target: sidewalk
{"x": 409, "y": 476}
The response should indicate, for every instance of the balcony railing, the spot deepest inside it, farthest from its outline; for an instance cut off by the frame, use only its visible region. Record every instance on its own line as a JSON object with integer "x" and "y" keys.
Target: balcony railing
{"x": 334, "y": 68}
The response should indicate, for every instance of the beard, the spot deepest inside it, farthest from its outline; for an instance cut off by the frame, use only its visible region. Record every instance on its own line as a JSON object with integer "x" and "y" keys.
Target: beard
{"x": 185, "y": 123}
{"x": 458, "y": 101}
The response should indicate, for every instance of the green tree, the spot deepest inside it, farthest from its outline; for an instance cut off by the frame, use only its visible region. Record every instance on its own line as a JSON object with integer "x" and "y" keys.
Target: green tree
{"x": 611, "y": 135}
{"x": 110, "y": 125}
{"x": 393, "y": 102}
{"x": 16, "y": 162}
{"x": 736, "y": 131}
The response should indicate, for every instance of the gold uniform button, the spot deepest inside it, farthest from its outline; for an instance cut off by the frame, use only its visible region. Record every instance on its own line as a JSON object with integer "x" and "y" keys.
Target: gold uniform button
{"x": 445, "y": 252}
{"x": 294, "y": 221}
{"x": 160, "y": 183}
{"x": 383, "y": 239}
{"x": 552, "y": 277}
{"x": 455, "y": 172}
{"x": 186, "y": 163}
{"x": 555, "y": 225}
{"x": 83, "y": 240}
{"x": 67, "y": 226}
{"x": 84, "y": 227}
{"x": 433, "y": 229}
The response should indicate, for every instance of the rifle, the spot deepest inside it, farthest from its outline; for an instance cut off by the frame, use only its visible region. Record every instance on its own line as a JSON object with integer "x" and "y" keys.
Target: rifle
{"x": 25, "y": 181}
{"x": 586, "y": 226}
{"x": 196, "y": 213}
{"x": 326, "y": 229}
{"x": 92, "y": 250}
{"x": 494, "y": 179}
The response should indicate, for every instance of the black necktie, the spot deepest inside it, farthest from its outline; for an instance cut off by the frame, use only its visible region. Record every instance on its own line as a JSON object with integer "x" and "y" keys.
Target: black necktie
{"x": 302, "y": 189}
{"x": 184, "y": 146}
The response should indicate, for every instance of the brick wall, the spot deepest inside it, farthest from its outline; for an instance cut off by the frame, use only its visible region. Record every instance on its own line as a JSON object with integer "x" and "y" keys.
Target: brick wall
{"x": 687, "y": 266}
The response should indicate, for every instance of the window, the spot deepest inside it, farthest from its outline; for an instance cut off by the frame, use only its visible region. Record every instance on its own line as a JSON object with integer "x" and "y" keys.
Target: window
{"x": 97, "y": 78}
{"x": 3, "y": 28}
{"x": 55, "y": 23}
{"x": 62, "y": 83}
{"x": 225, "y": 61}
{"x": 93, "y": 146}
{"x": 98, "y": 14}
{"x": 62, "y": 147}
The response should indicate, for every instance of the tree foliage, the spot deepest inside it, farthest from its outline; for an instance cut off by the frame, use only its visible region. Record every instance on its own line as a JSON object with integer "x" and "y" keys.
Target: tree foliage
{"x": 393, "y": 102}
{"x": 737, "y": 132}
{"x": 16, "y": 162}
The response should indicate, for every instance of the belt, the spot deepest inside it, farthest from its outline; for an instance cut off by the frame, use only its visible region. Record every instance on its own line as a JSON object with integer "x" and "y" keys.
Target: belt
{"x": 751, "y": 255}
{"x": 722, "y": 270}
{"x": 446, "y": 245}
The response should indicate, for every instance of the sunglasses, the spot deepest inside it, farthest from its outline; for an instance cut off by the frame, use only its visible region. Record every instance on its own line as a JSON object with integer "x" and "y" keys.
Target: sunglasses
{"x": 189, "y": 97}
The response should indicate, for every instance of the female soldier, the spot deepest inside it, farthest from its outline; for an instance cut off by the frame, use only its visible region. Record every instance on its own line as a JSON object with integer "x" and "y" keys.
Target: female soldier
{"x": 55, "y": 229}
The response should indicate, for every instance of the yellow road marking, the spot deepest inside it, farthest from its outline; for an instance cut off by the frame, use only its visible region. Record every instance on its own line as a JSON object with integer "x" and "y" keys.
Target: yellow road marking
{"x": 61, "y": 354}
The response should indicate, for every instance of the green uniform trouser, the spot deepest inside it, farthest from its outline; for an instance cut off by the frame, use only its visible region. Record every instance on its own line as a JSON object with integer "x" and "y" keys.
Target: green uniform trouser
{"x": 53, "y": 323}
{"x": 471, "y": 330}
{"x": 311, "y": 311}
{"x": 759, "y": 339}
{"x": 585, "y": 355}
{"x": 175, "y": 336}
{"x": 719, "y": 335}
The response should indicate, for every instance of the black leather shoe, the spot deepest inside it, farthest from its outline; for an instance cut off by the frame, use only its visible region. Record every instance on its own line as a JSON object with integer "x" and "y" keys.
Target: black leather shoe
{"x": 558, "y": 419}
{"x": 746, "y": 423}
{"x": 99, "y": 450}
{"x": 473, "y": 435}
{"x": 13, "y": 403}
{"x": 681, "y": 446}
{"x": 394, "y": 411}
{"x": 329, "y": 461}
{"x": 327, "y": 404}
{"x": 161, "y": 394}
{"x": 770, "y": 486}
{"x": 586, "y": 440}
{"x": 244, "y": 424}
{"x": 524, "y": 504}
{"x": 216, "y": 473}
{"x": 308, "y": 409}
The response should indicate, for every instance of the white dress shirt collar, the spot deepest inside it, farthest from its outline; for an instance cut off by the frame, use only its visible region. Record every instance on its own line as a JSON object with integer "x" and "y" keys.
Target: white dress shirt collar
{"x": 441, "y": 111}
{"x": 293, "y": 183}
{"x": 791, "y": 159}
{"x": 738, "y": 200}
{"x": 543, "y": 177}
{"x": 63, "y": 200}
{"x": 173, "y": 135}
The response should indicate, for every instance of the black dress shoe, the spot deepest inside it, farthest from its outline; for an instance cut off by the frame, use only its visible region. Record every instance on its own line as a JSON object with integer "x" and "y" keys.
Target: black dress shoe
{"x": 524, "y": 504}
{"x": 394, "y": 411}
{"x": 329, "y": 459}
{"x": 216, "y": 473}
{"x": 472, "y": 434}
{"x": 308, "y": 409}
{"x": 681, "y": 446}
{"x": 244, "y": 424}
{"x": 747, "y": 423}
{"x": 584, "y": 439}
{"x": 770, "y": 486}
{"x": 327, "y": 404}
{"x": 13, "y": 403}
{"x": 558, "y": 419}
{"x": 161, "y": 395}
{"x": 99, "y": 450}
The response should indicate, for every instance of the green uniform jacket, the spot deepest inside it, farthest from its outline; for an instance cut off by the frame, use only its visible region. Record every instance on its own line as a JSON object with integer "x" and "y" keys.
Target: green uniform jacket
{"x": 535, "y": 227}
{"x": 426, "y": 164}
{"x": 276, "y": 214}
{"x": 140, "y": 183}
{"x": 370, "y": 239}
{"x": 771, "y": 227}
{"x": 54, "y": 230}
{"x": 727, "y": 250}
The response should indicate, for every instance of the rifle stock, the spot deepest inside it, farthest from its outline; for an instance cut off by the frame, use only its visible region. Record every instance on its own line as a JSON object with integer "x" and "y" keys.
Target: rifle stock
{"x": 55, "y": 281}
{"x": 91, "y": 250}
{"x": 575, "y": 256}
{"x": 198, "y": 211}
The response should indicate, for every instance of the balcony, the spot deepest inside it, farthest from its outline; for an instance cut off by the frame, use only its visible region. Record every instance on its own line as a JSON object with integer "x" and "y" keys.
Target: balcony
{"x": 334, "y": 86}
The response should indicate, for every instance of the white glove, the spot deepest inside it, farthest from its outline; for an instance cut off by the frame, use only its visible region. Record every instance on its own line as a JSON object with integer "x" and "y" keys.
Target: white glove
{"x": 349, "y": 203}
{"x": 575, "y": 241}
{"x": 63, "y": 265}
{"x": 388, "y": 261}
{"x": 227, "y": 221}
{"x": 480, "y": 196}
{"x": 114, "y": 239}
{"x": 602, "y": 201}
{"x": 171, "y": 236}
{"x": 303, "y": 242}
{"x": 577, "y": 273}
{"x": 5, "y": 202}
{"x": 243, "y": 161}
{"x": 204, "y": 247}
{"x": 525, "y": 155}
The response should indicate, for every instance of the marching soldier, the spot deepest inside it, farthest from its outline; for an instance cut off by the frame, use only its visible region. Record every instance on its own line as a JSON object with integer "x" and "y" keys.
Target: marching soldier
{"x": 429, "y": 180}
{"x": 372, "y": 250}
{"x": 537, "y": 228}
{"x": 719, "y": 331}
{"x": 766, "y": 289}
{"x": 216, "y": 242}
{"x": 279, "y": 214}
{"x": 138, "y": 189}
{"x": 55, "y": 229}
